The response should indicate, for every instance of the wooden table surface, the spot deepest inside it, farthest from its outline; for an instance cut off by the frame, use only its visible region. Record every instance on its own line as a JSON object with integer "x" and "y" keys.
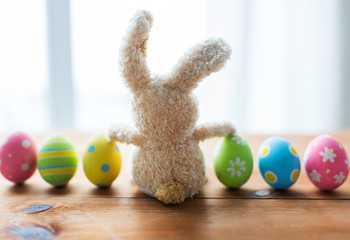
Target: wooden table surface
{"x": 82, "y": 211}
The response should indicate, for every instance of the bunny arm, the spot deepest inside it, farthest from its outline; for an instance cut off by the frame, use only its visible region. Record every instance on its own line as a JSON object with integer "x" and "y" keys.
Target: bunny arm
{"x": 210, "y": 130}
{"x": 125, "y": 134}
{"x": 197, "y": 63}
{"x": 132, "y": 61}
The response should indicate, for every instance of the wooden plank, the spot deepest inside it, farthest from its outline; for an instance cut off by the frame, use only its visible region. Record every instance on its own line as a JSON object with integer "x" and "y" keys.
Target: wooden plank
{"x": 127, "y": 218}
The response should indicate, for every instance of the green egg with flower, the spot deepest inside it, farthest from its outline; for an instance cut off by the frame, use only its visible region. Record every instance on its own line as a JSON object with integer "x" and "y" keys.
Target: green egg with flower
{"x": 233, "y": 161}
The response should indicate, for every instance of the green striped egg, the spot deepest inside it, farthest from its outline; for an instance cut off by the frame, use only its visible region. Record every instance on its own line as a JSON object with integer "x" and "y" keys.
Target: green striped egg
{"x": 57, "y": 160}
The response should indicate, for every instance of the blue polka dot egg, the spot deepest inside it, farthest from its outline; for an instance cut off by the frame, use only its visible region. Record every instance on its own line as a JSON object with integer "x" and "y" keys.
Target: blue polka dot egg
{"x": 279, "y": 163}
{"x": 101, "y": 161}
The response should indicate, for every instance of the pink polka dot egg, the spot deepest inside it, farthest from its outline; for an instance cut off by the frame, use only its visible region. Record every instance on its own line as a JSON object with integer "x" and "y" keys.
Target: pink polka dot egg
{"x": 18, "y": 157}
{"x": 326, "y": 163}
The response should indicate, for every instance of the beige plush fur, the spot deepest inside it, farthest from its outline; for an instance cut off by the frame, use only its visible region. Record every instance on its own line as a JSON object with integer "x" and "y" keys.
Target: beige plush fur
{"x": 168, "y": 162}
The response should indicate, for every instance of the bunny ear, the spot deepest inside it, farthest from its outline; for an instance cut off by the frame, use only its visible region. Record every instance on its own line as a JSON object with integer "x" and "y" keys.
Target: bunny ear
{"x": 198, "y": 62}
{"x": 133, "y": 51}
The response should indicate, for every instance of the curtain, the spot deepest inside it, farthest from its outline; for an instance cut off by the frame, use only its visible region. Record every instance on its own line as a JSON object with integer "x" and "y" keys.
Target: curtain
{"x": 290, "y": 66}
{"x": 289, "y": 71}
{"x": 23, "y": 75}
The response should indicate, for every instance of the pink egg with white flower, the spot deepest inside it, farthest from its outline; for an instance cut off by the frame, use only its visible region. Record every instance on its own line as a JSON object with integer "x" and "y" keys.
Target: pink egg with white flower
{"x": 326, "y": 162}
{"x": 18, "y": 157}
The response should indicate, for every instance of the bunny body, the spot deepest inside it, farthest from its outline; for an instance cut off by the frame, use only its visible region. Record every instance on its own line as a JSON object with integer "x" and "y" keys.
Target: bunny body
{"x": 155, "y": 164}
{"x": 168, "y": 162}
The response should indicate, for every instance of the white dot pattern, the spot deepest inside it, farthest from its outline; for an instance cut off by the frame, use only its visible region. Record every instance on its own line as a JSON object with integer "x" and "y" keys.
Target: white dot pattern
{"x": 25, "y": 166}
{"x": 26, "y": 143}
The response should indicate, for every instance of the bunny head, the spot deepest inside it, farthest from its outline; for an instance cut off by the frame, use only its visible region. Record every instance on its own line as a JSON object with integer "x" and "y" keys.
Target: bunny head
{"x": 163, "y": 113}
{"x": 165, "y": 110}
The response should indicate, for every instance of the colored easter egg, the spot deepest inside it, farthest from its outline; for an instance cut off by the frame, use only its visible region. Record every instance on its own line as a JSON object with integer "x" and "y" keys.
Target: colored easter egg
{"x": 57, "y": 160}
{"x": 101, "y": 160}
{"x": 18, "y": 157}
{"x": 279, "y": 162}
{"x": 326, "y": 162}
{"x": 233, "y": 161}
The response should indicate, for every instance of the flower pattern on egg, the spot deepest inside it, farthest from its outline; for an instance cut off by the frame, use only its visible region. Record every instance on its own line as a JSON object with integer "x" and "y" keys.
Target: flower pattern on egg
{"x": 236, "y": 167}
{"x": 339, "y": 178}
{"x": 238, "y": 140}
{"x": 347, "y": 163}
{"x": 315, "y": 176}
{"x": 328, "y": 154}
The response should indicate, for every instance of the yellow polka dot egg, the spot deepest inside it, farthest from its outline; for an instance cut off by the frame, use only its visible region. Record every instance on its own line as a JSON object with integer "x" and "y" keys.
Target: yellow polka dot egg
{"x": 101, "y": 161}
{"x": 279, "y": 162}
{"x": 57, "y": 160}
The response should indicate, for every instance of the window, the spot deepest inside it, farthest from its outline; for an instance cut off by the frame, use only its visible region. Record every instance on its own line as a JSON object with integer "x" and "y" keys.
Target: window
{"x": 23, "y": 85}
{"x": 97, "y": 29}
{"x": 288, "y": 71}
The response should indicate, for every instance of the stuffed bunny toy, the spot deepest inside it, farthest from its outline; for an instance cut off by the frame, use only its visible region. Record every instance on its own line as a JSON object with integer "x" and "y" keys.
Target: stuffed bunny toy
{"x": 167, "y": 163}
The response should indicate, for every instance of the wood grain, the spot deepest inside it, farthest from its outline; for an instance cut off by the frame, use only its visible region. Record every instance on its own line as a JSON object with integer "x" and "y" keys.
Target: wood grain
{"x": 129, "y": 218}
{"x": 82, "y": 211}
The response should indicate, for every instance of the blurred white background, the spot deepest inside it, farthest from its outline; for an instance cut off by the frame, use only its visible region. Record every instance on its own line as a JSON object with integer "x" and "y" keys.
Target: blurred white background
{"x": 289, "y": 72}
